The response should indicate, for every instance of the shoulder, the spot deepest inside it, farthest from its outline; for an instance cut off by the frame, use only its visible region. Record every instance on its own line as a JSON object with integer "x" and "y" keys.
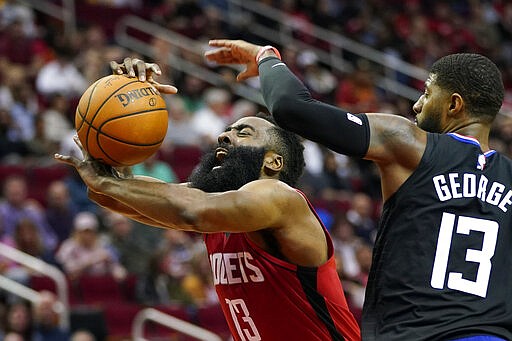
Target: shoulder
{"x": 395, "y": 139}
{"x": 391, "y": 126}
{"x": 271, "y": 186}
{"x": 277, "y": 193}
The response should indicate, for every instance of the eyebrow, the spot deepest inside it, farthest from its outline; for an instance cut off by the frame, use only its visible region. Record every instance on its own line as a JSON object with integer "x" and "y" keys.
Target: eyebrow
{"x": 239, "y": 127}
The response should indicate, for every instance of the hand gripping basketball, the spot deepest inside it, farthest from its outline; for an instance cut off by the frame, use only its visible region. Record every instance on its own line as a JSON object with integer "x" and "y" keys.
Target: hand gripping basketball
{"x": 121, "y": 121}
{"x": 144, "y": 71}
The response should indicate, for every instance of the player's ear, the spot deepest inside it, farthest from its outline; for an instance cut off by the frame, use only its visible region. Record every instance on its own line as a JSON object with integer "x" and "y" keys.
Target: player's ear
{"x": 272, "y": 163}
{"x": 456, "y": 104}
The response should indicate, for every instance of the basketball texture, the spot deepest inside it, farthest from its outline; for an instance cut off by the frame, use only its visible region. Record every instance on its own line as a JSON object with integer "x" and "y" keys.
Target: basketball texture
{"x": 121, "y": 121}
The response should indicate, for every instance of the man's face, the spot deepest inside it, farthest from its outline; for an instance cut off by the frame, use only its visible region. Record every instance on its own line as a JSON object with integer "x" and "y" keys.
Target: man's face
{"x": 431, "y": 107}
{"x": 237, "y": 160}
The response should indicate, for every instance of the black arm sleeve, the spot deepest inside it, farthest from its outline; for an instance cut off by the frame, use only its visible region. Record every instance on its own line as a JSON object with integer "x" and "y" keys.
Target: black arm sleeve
{"x": 294, "y": 109}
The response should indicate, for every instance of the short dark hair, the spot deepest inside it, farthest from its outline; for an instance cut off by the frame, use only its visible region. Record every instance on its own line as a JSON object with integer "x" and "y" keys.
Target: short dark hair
{"x": 289, "y": 146}
{"x": 476, "y": 78}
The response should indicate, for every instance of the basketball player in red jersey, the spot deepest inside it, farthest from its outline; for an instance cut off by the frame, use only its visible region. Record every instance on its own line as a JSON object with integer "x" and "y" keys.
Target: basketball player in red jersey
{"x": 271, "y": 257}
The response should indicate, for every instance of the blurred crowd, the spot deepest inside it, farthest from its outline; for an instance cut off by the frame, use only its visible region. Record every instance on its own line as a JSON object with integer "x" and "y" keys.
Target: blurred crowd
{"x": 43, "y": 72}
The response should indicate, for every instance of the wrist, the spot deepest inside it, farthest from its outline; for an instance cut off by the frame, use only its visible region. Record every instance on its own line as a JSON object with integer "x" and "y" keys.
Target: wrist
{"x": 267, "y": 51}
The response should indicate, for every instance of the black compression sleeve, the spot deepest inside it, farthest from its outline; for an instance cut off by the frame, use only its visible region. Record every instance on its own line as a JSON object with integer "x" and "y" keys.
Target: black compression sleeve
{"x": 294, "y": 109}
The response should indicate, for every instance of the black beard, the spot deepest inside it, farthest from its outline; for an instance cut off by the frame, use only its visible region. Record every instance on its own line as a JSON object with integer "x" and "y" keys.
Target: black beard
{"x": 430, "y": 124}
{"x": 241, "y": 165}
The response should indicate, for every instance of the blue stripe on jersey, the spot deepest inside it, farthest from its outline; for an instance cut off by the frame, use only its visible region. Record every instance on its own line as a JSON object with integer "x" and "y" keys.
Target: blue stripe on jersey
{"x": 465, "y": 139}
{"x": 470, "y": 140}
{"x": 481, "y": 338}
{"x": 489, "y": 153}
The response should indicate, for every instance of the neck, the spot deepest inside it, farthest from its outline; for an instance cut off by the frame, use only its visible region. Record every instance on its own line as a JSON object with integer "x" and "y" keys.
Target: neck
{"x": 476, "y": 130}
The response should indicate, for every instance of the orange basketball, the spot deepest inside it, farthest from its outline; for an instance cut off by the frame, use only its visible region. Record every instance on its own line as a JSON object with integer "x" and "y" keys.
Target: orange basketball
{"x": 121, "y": 121}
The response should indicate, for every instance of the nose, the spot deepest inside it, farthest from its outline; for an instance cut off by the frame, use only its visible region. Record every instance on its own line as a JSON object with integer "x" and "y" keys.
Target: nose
{"x": 417, "y": 106}
{"x": 224, "y": 138}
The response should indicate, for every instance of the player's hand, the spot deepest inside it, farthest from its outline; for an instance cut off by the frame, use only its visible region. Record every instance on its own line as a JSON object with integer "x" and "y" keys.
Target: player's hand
{"x": 90, "y": 170}
{"x": 144, "y": 71}
{"x": 235, "y": 52}
{"x": 124, "y": 172}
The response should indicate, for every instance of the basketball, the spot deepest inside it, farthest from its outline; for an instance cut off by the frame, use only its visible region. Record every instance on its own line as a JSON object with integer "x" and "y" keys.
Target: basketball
{"x": 121, "y": 121}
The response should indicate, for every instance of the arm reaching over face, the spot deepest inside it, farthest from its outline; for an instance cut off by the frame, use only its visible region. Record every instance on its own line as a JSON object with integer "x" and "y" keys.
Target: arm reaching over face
{"x": 294, "y": 109}
{"x": 393, "y": 142}
{"x": 289, "y": 100}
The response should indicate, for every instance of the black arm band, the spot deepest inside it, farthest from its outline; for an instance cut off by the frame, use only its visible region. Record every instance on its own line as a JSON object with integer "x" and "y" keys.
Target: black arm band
{"x": 294, "y": 109}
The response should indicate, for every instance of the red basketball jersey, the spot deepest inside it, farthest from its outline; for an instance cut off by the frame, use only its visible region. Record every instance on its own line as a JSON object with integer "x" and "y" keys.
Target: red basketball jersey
{"x": 266, "y": 298}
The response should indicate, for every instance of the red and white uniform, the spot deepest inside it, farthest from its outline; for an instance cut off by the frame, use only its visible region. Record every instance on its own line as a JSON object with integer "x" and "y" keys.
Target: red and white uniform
{"x": 266, "y": 298}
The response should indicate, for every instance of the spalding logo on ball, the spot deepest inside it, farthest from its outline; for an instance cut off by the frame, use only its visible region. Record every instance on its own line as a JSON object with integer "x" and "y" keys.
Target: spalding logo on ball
{"x": 121, "y": 121}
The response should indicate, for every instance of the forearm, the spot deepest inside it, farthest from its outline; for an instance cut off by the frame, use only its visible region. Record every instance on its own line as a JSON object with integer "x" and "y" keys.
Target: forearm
{"x": 162, "y": 204}
{"x": 116, "y": 206}
{"x": 294, "y": 109}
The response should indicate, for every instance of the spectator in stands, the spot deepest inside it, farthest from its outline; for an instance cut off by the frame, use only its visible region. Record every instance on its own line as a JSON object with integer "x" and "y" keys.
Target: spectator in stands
{"x": 361, "y": 215}
{"x": 18, "y": 320}
{"x": 119, "y": 3}
{"x": 133, "y": 248}
{"x": 357, "y": 93}
{"x": 181, "y": 130}
{"x": 290, "y": 54}
{"x": 356, "y": 286}
{"x": 192, "y": 92}
{"x": 12, "y": 11}
{"x": 17, "y": 205}
{"x": 78, "y": 193}
{"x": 317, "y": 78}
{"x": 243, "y": 108}
{"x": 24, "y": 110}
{"x": 332, "y": 185}
{"x": 161, "y": 49}
{"x": 39, "y": 147}
{"x": 198, "y": 282}
{"x": 346, "y": 243}
{"x": 76, "y": 187}
{"x": 46, "y": 318}
{"x": 211, "y": 120}
{"x": 71, "y": 83}
{"x": 176, "y": 252}
{"x": 15, "y": 45}
{"x": 94, "y": 53}
{"x": 13, "y": 336}
{"x": 8, "y": 147}
{"x": 60, "y": 209}
{"x": 155, "y": 168}
{"x": 26, "y": 239}
{"x": 82, "y": 335}
{"x": 135, "y": 245}
{"x": 484, "y": 26}
{"x": 56, "y": 121}
{"x": 85, "y": 253}
{"x": 13, "y": 76}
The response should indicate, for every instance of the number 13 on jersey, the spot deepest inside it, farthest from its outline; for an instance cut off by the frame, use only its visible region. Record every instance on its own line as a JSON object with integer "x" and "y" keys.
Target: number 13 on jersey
{"x": 483, "y": 256}
{"x": 238, "y": 310}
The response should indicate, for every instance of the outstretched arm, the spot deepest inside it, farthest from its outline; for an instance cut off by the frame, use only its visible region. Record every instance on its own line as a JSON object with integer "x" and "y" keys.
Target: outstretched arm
{"x": 258, "y": 205}
{"x": 294, "y": 109}
{"x": 393, "y": 142}
{"x": 116, "y": 206}
{"x": 291, "y": 103}
{"x": 382, "y": 138}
